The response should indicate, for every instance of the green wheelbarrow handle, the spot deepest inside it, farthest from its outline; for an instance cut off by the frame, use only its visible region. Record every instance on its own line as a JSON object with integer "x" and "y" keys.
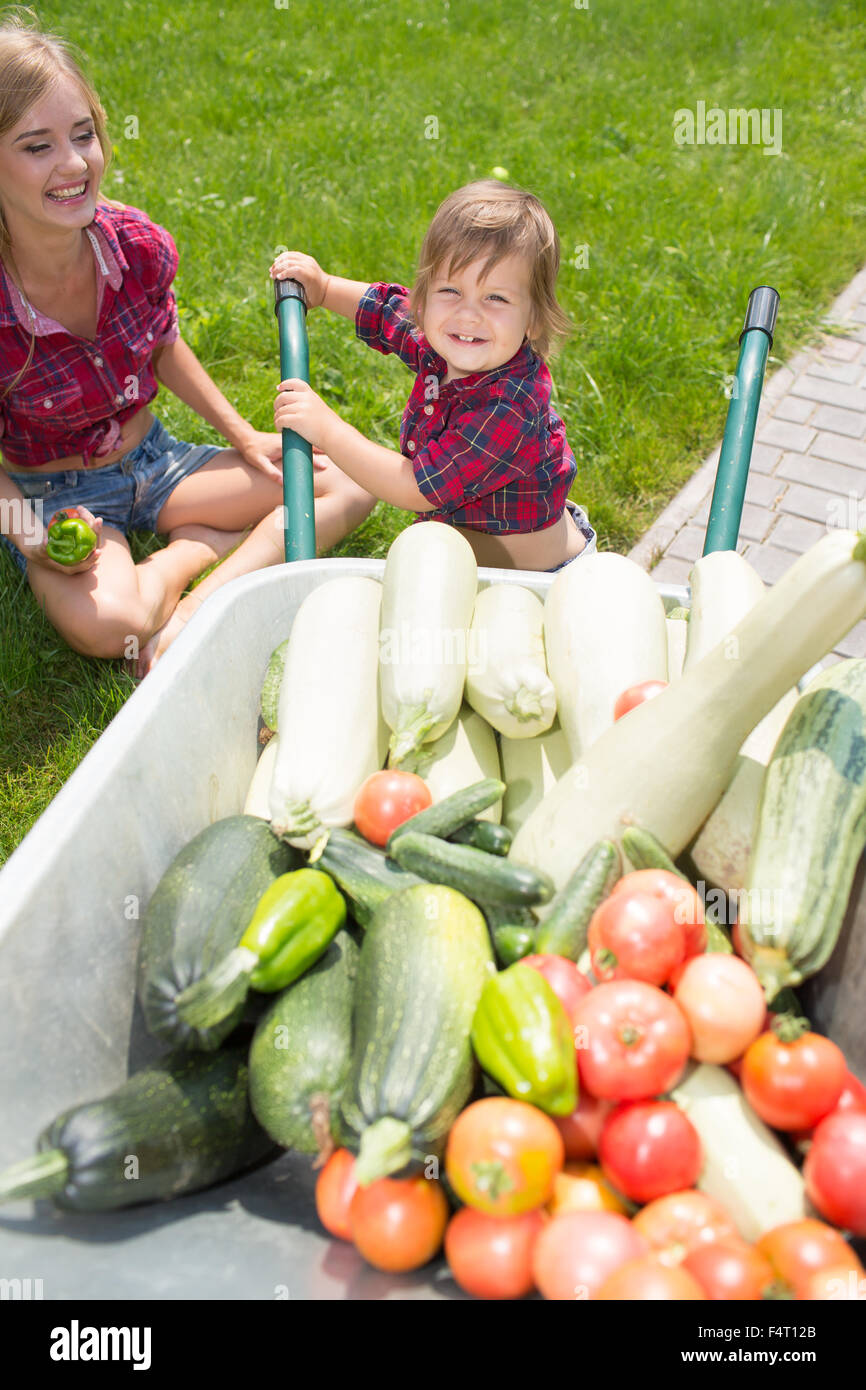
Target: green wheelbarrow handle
{"x": 298, "y": 512}
{"x": 732, "y": 474}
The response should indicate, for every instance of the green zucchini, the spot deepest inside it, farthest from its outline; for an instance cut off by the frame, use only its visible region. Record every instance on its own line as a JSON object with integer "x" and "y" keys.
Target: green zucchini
{"x": 271, "y": 685}
{"x": 452, "y": 812}
{"x": 563, "y": 932}
{"x": 512, "y": 930}
{"x": 483, "y": 834}
{"x": 363, "y": 873}
{"x": 423, "y": 963}
{"x": 176, "y": 1126}
{"x": 301, "y": 1052}
{"x": 196, "y": 916}
{"x": 483, "y": 877}
{"x": 810, "y": 831}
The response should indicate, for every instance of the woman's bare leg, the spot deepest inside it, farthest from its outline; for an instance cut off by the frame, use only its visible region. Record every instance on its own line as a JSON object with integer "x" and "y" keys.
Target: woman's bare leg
{"x": 340, "y": 506}
{"x": 114, "y": 608}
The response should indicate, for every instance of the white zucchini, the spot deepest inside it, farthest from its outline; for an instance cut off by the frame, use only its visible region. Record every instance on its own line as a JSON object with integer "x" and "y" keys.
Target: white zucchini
{"x": 332, "y": 736}
{"x": 507, "y": 681}
{"x": 466, "y": 753}
{"x": 429, "y": 589}
{"x": 258, "y": 802}
{"x": 604, "y": 630}
{"x": 745, "y": 1167}
{"x": 665, "y": 765}
{"x": 724, "y": 588}
{"x": 530, "y": 766}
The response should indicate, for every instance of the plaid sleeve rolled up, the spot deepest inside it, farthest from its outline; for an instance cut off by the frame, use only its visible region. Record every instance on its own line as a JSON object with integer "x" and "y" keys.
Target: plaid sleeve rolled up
{"x": 383, "y": 322}
{"x": 479, "y": 452}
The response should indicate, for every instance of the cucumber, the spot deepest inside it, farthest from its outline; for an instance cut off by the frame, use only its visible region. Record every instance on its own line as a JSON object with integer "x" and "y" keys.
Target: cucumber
{"x": 271, "y": 685}
{"x": 563, "y": 933}
{"x": 452, "y": 812}
{"x": 301, "y": 1052}
{"x": 424, "y": 960}
{"x": 196, "y": 916}
{"x": 717, "y": 938}
{"x": 363, "y": 873}
{"x": 178, "y": 1125}
{"x": 483, "y": 877}
{"x": 483, "y": 834}
{"x": 645, "y": 851}
{"x": 512, "y": 931}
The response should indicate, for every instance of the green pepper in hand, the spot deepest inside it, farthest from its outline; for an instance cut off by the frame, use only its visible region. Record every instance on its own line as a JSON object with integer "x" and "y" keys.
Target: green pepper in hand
{"x": 70, "y": 539}
{"x": 293, "y": 924}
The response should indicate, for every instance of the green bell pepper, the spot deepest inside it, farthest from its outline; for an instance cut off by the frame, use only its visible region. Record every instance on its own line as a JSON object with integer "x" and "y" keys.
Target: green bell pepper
{"x": 522, "y": 1037}
{"x": 293, "y": 924}
{"x": 70, "y": 539}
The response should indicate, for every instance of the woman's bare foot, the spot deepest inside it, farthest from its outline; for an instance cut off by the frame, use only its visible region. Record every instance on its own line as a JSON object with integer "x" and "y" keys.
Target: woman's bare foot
{"x": 218, "y": 544}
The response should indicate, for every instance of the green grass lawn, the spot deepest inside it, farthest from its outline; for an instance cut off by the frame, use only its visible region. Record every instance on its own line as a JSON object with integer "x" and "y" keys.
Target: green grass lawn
{"x": 310, "y": 126}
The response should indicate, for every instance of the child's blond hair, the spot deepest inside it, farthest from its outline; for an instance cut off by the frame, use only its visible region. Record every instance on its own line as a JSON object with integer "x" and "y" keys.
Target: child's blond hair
{"x": 494, "y": 220}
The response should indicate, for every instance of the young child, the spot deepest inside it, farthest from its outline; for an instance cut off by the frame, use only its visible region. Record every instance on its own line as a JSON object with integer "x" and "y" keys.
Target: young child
{"x": 480, "y": 447}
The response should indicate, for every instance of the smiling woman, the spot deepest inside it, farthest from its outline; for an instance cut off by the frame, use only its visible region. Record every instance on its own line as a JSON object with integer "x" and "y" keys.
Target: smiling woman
{"x": 88, "y": 333}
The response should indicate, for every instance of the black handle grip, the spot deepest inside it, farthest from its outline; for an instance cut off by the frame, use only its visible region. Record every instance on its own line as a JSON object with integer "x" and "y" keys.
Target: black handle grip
{"x": 288, "y": 289}
{"x": 761, "y": 313}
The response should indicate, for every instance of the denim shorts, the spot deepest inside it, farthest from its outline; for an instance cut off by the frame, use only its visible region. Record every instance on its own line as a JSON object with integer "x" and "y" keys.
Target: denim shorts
{"x": 583, "y": 526}
{"x": 129, "y": 494}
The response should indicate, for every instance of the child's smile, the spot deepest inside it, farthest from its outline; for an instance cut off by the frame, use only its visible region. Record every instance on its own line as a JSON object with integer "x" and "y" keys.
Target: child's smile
{"x": 477, "y": 325}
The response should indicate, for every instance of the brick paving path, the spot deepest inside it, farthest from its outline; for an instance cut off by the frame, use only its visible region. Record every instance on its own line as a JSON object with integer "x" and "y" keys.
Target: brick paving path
{"x": 808, "y": 466}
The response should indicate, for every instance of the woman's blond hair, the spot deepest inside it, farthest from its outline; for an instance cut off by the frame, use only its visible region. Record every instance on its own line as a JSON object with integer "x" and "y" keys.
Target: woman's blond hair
{"x": 492, "y": 220}
{"x": 31, "y": 62}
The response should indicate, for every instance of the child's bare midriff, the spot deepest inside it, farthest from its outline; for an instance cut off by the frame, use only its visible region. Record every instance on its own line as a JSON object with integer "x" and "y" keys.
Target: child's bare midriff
{"x": 527, "y": 550}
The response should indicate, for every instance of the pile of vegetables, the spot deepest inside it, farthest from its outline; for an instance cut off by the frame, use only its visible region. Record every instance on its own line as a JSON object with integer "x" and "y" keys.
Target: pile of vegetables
{"x": 455, "y": 950}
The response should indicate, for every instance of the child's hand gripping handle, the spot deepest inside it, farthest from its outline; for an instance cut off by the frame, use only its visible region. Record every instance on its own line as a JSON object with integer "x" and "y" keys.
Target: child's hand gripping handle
{"x": 300, "y": 522}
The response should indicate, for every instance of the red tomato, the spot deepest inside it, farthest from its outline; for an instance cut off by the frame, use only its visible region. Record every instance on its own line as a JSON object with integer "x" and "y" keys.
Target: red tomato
{"x": 835, "y": 1170}
{"x": 724, "y": 1004}
{"x": 491, "y": 1256}
{"x": 398, "y": 1223}
{"x": 684, "y": 1221}
{"x": 793, "y": 1085}
{"x": 834, "y": 1282}
{"x": 635, "y": 695}
{"x": 730, "y": 1269}
{"x": 688, "y": 909}
{"x": 647, "y": 1278}
{"x": 503, "y": 1155}
{"x": 633, "y": 936}
{"x": 336, "y": 1185}
{"x": 567, "y": 982}
{"x": 386, "y": 800}
{"x": 581, "y": 1129}
{"x": 799, "y": 1248}
{"x": 632, "y": 1041}
{"x": 649, "y": 1148}
{"x": 853, "y": 1095}
{"x": 577, "y": 1251}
